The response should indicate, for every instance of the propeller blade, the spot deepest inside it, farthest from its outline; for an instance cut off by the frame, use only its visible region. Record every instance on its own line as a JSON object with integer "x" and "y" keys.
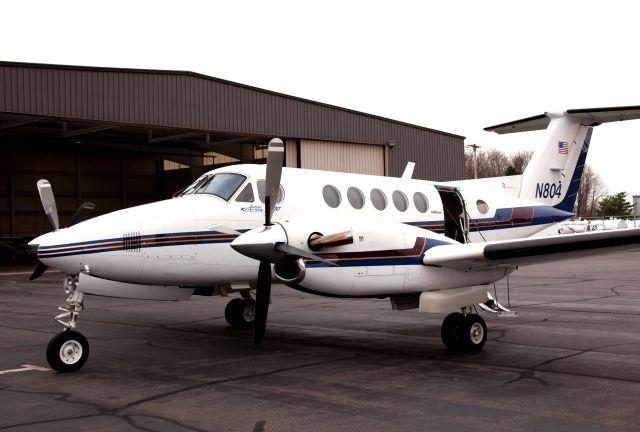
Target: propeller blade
{"x": 275, "y": 159}
{"x": 48, "y": 202}
{"x": 82, "y": 214}
{"x": 292, "y": 250}
{"x": 263, "y": 294}
{"x": 40, "y": 269}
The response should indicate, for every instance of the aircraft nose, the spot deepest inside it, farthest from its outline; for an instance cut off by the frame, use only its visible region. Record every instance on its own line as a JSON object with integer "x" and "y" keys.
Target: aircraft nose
{"x": 33, "y": 244}
{"x": 43, "y": 240}
{"x": 60, "y": 249}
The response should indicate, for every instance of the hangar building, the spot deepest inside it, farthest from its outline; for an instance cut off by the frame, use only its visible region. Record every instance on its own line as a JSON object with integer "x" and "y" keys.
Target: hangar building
{"x": 123, "y": 137}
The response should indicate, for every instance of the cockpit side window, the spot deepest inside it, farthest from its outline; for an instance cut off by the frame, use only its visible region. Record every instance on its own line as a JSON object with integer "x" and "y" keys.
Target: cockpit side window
{"x": 261, "y": 184}
{"x": 222, "y": 185}
{"x": 246, "y": 195}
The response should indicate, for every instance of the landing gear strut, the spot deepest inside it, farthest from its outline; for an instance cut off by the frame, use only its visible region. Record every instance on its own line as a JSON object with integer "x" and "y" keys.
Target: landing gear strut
{"x": 68, "y": 350}
{"x": 466, "y": 332}
{"x": 240, "y": 312}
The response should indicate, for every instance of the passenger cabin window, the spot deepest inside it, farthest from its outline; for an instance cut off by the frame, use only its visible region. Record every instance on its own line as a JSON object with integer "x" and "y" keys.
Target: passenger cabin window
{"x": 378, "y": 199}
{"x": 262, "y": 184}
{"x": 400, "y": 201}
{"x": 331, "y": 196}
{"x": 355, "y": 197}
{"x": 222, "y": 185}
{"x": 246, "y": 195}
{"x": 421, "y": 202}
{"x": 483, "y": 207}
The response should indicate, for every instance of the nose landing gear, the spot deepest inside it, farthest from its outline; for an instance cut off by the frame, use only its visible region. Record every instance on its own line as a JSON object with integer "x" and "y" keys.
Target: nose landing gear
{"x": 68, "y": 350}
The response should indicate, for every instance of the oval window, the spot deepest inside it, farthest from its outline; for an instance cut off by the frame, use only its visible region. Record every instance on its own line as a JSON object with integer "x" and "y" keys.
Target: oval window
{"x": 331, "y": 196}
{"x": 355, "y": 197}
{"x": 421, "y": 202}
{"x": 483, "y": 207}
{"x": 378, "y": 199}
{"x": 400, "y": 201}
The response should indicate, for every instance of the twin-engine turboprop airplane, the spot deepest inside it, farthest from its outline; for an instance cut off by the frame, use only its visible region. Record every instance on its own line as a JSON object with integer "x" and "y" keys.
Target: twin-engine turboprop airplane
{"x": 427, "y": 245}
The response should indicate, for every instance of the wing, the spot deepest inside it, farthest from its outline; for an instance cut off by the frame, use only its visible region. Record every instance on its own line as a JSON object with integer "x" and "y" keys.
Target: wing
{"x": 472, "y": 256}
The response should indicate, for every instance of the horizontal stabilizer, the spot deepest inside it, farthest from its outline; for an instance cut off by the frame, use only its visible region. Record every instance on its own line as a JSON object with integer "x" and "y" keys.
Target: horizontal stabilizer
{"x": 531, "y": 251}
{"x": 597, "y": 116}
{"x": 538, "y": 122}
{"x": 586, "y": 116}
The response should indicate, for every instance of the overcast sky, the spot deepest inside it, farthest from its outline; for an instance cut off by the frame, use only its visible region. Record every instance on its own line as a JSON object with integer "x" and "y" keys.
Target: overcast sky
{"x": 456, "y": 66}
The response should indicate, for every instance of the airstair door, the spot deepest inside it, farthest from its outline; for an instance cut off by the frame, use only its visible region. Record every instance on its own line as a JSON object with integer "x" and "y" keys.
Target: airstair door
{"x": 456, "y": 221}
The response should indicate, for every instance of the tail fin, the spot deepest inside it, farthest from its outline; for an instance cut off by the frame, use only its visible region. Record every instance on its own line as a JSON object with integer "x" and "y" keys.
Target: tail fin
{"x": 554, "y": 173}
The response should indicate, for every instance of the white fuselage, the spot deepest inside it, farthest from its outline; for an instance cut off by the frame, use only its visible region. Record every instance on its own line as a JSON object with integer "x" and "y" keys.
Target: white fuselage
{"x": 185, "y": 241}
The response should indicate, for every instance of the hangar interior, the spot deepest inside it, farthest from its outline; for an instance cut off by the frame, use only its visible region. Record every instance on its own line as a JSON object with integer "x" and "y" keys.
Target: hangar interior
{"x": 124, "y": 137}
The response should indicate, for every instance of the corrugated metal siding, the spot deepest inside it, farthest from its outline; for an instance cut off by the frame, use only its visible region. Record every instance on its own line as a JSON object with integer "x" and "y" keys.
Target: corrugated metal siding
{"x": 186, "y": 100}
{"x": 437, "y": 157}
{"x": 335, "y": 156}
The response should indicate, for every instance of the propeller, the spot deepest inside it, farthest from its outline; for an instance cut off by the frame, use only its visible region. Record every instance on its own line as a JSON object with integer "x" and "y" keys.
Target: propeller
{"x": 268, "y": 243}
{"x": 49, "y": 204}
{"x": 275, "y": 158}
{"x": 82, "y": 214}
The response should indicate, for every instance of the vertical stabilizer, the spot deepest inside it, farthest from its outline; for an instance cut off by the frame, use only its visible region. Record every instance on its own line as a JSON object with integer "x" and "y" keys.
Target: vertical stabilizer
{"x": 555, "y": 170}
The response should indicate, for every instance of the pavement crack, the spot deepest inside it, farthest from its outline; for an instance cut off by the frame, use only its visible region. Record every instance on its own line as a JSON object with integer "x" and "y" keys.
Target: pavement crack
{"x": 237, "y": 378}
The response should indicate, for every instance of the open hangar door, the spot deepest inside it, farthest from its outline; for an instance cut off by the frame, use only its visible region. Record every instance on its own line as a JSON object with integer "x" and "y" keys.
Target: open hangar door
{"x": 116, "y": 167}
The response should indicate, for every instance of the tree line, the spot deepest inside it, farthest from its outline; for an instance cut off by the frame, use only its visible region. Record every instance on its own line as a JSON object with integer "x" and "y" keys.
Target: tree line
{"x": 592, "y": 199}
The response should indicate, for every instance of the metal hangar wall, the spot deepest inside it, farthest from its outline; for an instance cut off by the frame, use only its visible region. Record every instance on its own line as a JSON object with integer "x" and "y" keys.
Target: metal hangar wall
{"x": 123, "y": 137}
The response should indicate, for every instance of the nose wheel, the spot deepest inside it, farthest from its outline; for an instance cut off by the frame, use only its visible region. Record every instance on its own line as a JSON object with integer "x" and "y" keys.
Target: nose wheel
{"x": 463, "y": 332}
{"x": 68, "y": 351}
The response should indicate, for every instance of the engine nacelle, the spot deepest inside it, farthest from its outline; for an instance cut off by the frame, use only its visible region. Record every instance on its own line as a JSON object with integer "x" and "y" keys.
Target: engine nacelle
{"x": 376, "y": 262}
{"x": 290, "y": 272}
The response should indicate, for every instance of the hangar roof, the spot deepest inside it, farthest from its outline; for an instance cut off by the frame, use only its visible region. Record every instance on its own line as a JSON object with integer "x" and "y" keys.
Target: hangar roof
{"x": 175, "y": 111}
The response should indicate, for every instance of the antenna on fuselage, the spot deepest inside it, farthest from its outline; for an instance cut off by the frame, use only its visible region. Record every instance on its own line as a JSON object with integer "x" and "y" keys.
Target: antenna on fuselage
{"x": 408, "y": 170}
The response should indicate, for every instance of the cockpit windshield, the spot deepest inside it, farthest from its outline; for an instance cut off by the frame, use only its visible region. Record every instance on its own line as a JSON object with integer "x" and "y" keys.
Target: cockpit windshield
{"x": 193, "y": 186}
{"x": 222, "y": 185}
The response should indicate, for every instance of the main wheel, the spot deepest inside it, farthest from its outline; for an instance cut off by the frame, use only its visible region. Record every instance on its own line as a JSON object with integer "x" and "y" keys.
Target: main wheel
{"x": 450, "y": 332}
{"x": 67, "y": 351}
{"x": 240, "y": 313}
{"x": 473, "y": 333}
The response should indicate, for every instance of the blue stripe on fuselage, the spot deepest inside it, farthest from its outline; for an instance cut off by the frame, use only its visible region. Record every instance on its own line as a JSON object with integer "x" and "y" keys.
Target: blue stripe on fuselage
{"x": 541, "y": 215}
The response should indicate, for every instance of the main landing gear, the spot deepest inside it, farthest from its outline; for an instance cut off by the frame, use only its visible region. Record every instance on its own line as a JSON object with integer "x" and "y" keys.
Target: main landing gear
{"x": 466, "y": 332}
{"x": 240, "y": 312}
{"x": 68, "y": 350}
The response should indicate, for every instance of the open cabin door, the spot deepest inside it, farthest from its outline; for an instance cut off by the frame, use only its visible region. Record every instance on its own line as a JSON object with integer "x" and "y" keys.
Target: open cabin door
{"x": 456, "y": 222}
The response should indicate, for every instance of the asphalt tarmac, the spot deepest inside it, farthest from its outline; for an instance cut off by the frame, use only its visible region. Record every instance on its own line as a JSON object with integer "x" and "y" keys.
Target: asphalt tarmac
{"x": 569, "y": 362}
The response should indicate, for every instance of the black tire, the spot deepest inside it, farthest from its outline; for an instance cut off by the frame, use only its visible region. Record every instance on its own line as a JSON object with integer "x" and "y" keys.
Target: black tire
{"x": 67, "y": 351}
{"x": 473, "y": 333}
{"x": 239, "y": 313}
{"x": 451, "y": 330}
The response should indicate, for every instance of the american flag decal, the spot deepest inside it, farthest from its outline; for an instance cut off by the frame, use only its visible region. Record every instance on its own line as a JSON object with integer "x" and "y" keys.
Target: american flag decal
{"x": 563, "y": 147}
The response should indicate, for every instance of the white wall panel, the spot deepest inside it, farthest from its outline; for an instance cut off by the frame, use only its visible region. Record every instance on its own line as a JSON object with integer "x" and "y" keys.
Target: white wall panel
{"x": 343, "y": 157}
